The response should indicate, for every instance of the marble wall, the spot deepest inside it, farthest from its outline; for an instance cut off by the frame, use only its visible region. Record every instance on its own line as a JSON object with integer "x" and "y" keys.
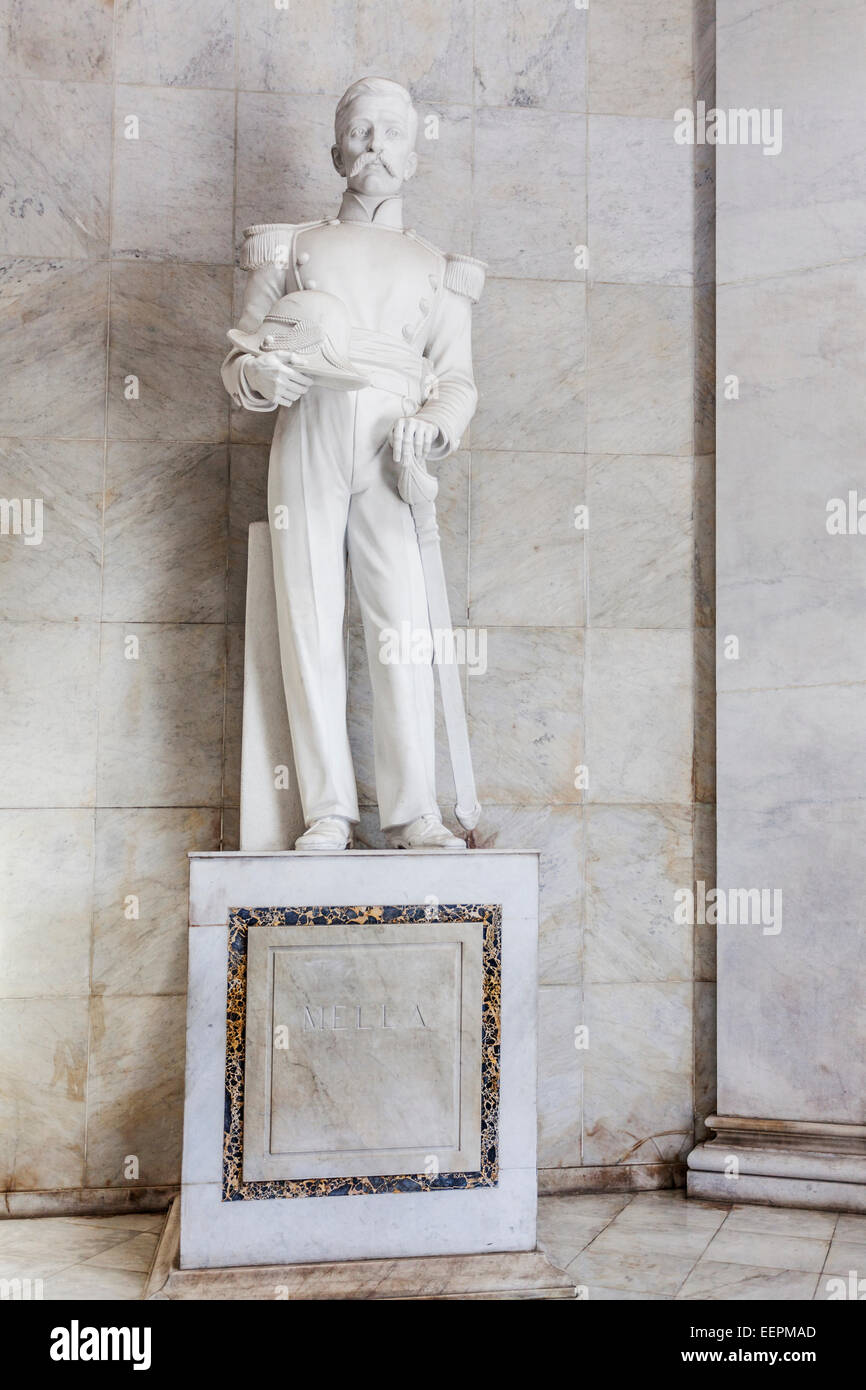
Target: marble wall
{"x": 139, "y": 142}
{"x": 792, "y": 564}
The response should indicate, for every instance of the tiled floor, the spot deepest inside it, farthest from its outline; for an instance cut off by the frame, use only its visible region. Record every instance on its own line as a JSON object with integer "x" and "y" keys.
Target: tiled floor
{"x": 658, "y": 1245}
{"x": 653, "y": 1245}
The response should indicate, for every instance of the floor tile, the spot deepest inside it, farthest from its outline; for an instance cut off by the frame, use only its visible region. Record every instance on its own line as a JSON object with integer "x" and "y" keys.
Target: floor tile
{"x": 766, "y": 1250}
{"x": 714, "y": 1281}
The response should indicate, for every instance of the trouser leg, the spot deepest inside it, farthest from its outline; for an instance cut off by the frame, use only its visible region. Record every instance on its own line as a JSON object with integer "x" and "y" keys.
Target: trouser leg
{"x": 386, "y": 570}
{"x": 309, "y": 481}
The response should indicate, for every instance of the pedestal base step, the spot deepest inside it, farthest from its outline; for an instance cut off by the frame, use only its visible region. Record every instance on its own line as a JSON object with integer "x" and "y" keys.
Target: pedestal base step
{"x": 527, "y": 1274}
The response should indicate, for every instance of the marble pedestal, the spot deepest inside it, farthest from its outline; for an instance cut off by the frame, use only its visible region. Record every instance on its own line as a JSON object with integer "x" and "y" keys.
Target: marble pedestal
{"x": 369, "y": 1090}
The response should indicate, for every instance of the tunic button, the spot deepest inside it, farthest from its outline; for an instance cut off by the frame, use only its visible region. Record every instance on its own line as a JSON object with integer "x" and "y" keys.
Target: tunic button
{"x": 311, "y": 284}
{"x": 408, "y": 332}
{"x": 434, "y": 283}
{"x": 410, "y": 231}
{"x": 303, "y": 258}
{"x": 334, "y": 222}
{"x": 423, "y": 306}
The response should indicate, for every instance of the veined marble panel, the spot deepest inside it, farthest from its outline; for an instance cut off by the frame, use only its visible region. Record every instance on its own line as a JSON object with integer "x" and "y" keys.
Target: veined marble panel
{"x": 46, "y": 867}
{"x": 157, "y": 747}
{"x": 51, "y": 569}
{"x": 69, "y": 42}
{"x": 640, "y": 185}
{"x": 43, "y": 1057}
{"x": 530, "y": 345}
{"x": 49, "y": 674}
{"x": 163, "y": 383}
{"x": 541, "y": 580}
{"x": 165, "y": 556}
{"x": 168, "y": 195}
{"x": 530, "y": 192}
{"x": 188, "y": 43}
{"x": 640, "y": 57}
{"x": 57, "y": 158}
{"x": 530, "y": 56}
{"x": 66, "y": 350}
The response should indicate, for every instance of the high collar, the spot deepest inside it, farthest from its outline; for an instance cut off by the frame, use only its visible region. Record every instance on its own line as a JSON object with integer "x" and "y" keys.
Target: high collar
{"x": 361, "y": 207}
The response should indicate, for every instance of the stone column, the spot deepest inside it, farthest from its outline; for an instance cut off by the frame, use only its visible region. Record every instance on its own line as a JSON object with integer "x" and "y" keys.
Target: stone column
{"x": 791, "y": 591}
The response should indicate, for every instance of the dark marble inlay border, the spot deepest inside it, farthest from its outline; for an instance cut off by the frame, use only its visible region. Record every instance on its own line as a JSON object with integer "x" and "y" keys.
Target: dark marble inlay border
{"x": 489, "y": 919}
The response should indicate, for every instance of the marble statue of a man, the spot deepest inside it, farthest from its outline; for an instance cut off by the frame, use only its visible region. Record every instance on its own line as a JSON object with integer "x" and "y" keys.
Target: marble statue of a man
{"x": 335, "y": 460}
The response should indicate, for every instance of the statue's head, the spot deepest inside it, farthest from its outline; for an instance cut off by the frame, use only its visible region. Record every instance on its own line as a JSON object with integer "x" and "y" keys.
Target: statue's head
{"x": 374, "y": 129}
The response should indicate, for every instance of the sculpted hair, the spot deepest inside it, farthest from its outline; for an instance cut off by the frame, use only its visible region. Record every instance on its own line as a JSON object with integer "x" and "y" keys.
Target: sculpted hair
{"x": 374, "y": 86}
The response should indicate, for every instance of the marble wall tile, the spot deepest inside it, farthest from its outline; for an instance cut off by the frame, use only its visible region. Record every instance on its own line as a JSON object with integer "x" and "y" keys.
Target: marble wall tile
{"x": 705, "y": 540}
{"x": 774, "y": 749}
{"x": 70, "y": 42}
{"x": 640, "y": 370}
{"x": 640, "y": 185}
{"x": 558, "y": 831}
{"x": 248, "y": 502}
{"x": 57, "y": 577}
{"x": 637, "y": 1073}
{"x": 640, "y": 57}
{"x": 560, "y": 1095}
{"x": 529, "y": 365}
{"x": 530, "y": 56}
{"x": 142, "y": 854}
{"x": 169, "y": 195}
{"x": 526, "y": 556}
{"x": 810, "y": 978}
{"x": 166, "y": 522}
{"x": 806, "y": 205}
{"x": 48, "y": 674}
{"x": 306, "y": 49}
{"x": 427, "y": 47}
{"x": 43, "y": 1057}
{"x": 790, "y": 590}
{"x": 439, "y": 198}
{"x": 135, "y": 1090}
{"x": 57, "y": 165}
{"x": 640, "y": 541}
{"x": 636, "y": 859}
{"x": 525, "y": 716}
{"x": 180, "y": 394}
{"x": 54, "y": 362}
{"x": 189, "y": 43}
{"x": 284, "y": 169}
{"x": 157, "y": 747}
{"x": 638, "y": 733}
{"x": 530, "y": 192}
{"x": 46, "y": 866}
{"x": 775, "y": 848}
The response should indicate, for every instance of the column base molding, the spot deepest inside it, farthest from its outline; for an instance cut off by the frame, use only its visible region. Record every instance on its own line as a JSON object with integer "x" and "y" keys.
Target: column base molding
{"x": 794, "y": 1163}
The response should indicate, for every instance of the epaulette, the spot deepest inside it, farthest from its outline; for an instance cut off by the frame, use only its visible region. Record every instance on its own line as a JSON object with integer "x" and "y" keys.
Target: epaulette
{"x": 269, "y": 243}
{"x": 465, "y": 275}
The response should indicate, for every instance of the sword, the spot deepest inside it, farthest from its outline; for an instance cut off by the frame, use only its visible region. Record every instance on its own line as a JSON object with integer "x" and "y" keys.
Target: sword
{"x": 417, "y": 487}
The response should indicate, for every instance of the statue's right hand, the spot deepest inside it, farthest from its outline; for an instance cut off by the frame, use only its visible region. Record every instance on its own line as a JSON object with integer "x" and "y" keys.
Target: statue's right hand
{"x": 272, "y": 378}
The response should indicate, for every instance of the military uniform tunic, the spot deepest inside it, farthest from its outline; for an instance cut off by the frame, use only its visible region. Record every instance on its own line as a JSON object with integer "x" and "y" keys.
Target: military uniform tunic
{"x": 332, "y": 488}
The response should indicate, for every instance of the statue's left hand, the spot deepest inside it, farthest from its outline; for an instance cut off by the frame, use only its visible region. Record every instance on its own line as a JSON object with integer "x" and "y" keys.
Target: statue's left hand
{"x": 412, "y": 438}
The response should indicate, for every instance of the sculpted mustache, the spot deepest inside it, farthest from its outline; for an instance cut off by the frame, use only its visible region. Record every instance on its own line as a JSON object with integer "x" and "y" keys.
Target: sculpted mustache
{"x": 369, "y": 158}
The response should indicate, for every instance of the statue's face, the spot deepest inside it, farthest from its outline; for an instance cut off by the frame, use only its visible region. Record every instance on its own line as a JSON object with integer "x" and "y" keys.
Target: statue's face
{"x": 374, "y": 150}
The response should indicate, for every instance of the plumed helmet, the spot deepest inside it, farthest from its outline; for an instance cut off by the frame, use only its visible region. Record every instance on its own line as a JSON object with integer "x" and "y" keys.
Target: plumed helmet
{"x": 312, "y": 328}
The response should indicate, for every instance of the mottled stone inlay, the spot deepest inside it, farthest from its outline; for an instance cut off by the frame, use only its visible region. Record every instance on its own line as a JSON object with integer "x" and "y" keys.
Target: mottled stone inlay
{"x": 241, "y": 920}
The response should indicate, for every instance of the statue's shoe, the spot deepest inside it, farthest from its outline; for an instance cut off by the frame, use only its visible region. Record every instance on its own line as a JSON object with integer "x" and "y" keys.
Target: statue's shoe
{"x": 328, "y": 834}
{"x": 427, "y": 832}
